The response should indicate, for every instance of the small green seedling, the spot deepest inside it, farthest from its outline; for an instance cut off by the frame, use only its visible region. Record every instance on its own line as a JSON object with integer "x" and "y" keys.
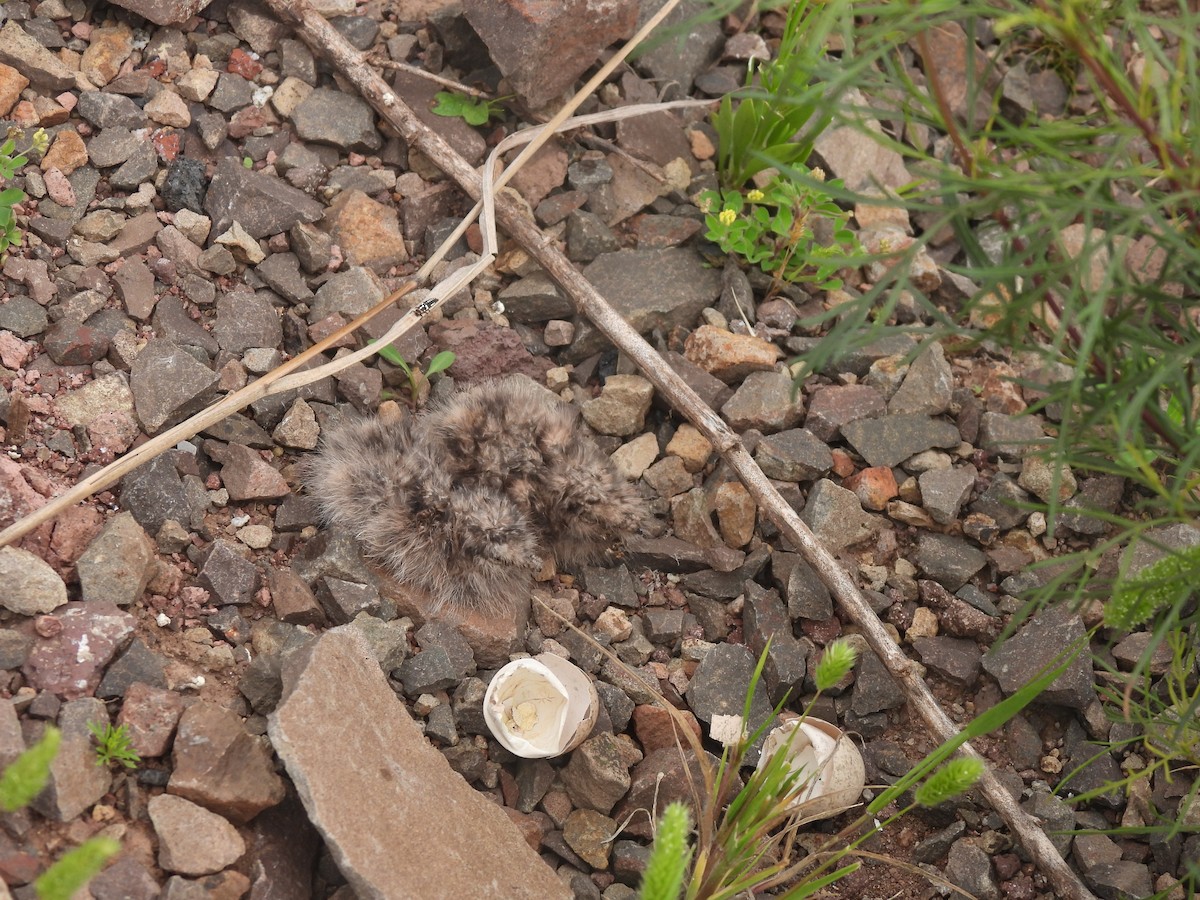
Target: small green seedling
{"x": 23, "y": 780}
{"x": 418, "y": 381}
{"x": 470, "y": 110}
{"x": 10, "y": 163}
{"x": 113, "y": 746}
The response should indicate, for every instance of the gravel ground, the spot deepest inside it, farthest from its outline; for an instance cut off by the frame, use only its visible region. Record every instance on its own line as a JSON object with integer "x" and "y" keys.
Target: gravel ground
{"x": 212, "y": 202}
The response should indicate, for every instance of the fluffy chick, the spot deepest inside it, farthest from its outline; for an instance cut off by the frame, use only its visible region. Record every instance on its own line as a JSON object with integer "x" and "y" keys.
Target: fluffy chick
{"x": 466, "y": 499}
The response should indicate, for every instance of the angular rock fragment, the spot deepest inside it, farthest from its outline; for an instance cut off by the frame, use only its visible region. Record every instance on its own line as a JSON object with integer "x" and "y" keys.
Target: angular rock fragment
{"x": 358, "y": 791}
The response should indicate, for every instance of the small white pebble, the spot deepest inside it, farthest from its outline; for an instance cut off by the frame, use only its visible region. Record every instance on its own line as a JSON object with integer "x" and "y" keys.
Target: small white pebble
{"x": 239, "y": 521}
{"x": 256, "y": 537}
{"x": 163, "y": 620}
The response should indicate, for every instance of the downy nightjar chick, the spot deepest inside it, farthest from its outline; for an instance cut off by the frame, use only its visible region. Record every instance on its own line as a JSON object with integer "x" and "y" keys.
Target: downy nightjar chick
{"x": 467, "y": 498}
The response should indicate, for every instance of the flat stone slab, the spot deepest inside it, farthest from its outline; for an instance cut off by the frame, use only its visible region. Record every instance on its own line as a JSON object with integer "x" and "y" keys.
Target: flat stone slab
{"x": 399, "y": 821}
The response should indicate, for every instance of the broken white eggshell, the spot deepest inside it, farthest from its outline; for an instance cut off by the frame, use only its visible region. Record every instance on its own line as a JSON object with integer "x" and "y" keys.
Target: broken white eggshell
{"x": 540, "y": 707}
{"x": 832, "y": 771}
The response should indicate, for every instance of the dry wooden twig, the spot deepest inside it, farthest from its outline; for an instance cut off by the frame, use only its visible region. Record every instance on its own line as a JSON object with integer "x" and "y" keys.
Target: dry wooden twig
{"x": 319, "y": 35}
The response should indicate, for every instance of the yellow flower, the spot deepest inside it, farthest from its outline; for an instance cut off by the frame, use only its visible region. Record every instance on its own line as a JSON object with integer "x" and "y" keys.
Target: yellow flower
{"x": 755, "y": 195}
{"x": 727, "y": 217}
{"x": 818, "y": 173}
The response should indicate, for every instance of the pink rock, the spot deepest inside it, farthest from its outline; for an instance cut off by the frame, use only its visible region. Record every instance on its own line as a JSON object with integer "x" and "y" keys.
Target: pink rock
{"x": 74, "y": 530}
{"x": 59, "y": 188}
{"x": 543, "y": 47}
{"x": 17, "y": 498}
{"x": 150, "y": 715}
{"x": 13, "y": 351}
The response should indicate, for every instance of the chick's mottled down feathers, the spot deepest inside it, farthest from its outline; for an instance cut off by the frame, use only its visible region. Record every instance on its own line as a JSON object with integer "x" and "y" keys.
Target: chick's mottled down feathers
{"x": 466, "y": 499}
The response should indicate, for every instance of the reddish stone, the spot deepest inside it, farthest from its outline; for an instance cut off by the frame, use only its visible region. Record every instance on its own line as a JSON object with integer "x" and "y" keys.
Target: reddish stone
{"x": 843, "y": 463}
{"x": 656, "y": 728}
{"x": 874, "y": 487}
{"x": 166, "y": 143}
{"x": 484, "y": 351}
{"x": 70, "y": 663}
{"x": 150, "y": 715}
{"x": 247, "y": 120}
{"x": 74, "y": 530}
{"x": 17, "y": 498}
{"x": 242, "y": 63}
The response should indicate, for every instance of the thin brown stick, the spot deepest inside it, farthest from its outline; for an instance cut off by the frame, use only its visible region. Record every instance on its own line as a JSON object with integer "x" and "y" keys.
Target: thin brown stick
{"x": 257, "y": 389}
{"x": 323, "y": 39}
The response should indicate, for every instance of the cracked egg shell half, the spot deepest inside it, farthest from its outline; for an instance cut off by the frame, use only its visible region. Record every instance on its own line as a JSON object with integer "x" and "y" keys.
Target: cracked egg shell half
{"x": 540, "y": 707}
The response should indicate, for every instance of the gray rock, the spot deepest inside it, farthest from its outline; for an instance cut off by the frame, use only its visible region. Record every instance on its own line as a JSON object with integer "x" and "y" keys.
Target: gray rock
{"x": 614, "y": 585}
{"x": 299, "y": 428}
{"x": 344, "y": 600}
{"x": 947, "y": 559}
{"x": 793, "y": 455}
{"x": 172, "y": 322}
{"x": 678, "y": 62}
{"x": 1039, "y": 645}
{"x": 327, "y": 116}
{"x": 220, "y": 765}
{"x": 106, "y": 110}
{"x": 168, "y": 384}
{"x": 651, "y": 289}
{"x": 836, "y": 516}
{"x": 138, "y": 664}
{"x": 140, "y": 167}
{"x": 227, "y": 575}
{"x": 1121, "y": 880}
{"x": 350, "y": 293}
{"x": 596, "y": 776}
{"x": 1002, "y": 502}
{"x": 1011, "y": 436}
{"x": 588, "y": 237}
{"x": 720, "y": 684}
{"x": 112, "y": 146}
{"x": 69, "y": 664}
{"x": 357, "y": 791}
{"x": 125, "y": 879}
{"x": 928, "y": 386}
{"x": 970, "y": 868}
{"x": 875, "y": 689}
{"x": 30, "y": 57}
{"x": 534, "y": 299}
{"x": 281, "y": 272}
{"x": 944, "y": 491}
{"x": 23, "y": 316}
{"x": 237, "y": 429}
{"x": 14, "y": 648}
{"x": 192, "y": 840}
{"x": 765, "y": 402}
{"x": 953, "y": 658}
{"x": 1155, "y": 544}
{"x": 164, "y": 12}
{"x": 1096, "y": 495}
{"x": 76, "y": 782}
{"x": 231, "y": 93}
{"x": 118, "y": 564}
{"x": 262, "y": 204}
{"x": 154, "y": 493}
{"x": 807, "y": 596}
{"x": 765, "y": 618}
{"x": 28, "y": 586}
{"x": 1056, "y": 817}
{"x": 246, "y": 320}
{"x": 890, "y": 440}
